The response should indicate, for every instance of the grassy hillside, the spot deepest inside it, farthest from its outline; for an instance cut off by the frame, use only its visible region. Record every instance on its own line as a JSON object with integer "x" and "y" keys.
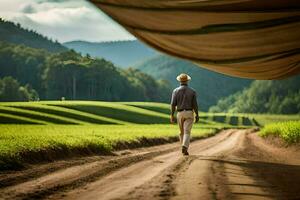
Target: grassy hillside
{"x": 14, "y": 33}
{"x": 210, "y": 86}
{"x": 121, "y": 53}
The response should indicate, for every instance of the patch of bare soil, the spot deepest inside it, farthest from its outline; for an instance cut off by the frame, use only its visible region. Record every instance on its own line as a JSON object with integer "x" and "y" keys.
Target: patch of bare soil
{"x": 234, "y": 164}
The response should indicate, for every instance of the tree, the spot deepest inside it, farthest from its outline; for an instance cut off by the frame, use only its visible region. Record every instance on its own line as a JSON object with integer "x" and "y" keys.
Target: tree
{"x": 276, "y": 96}
{"x": 10, "y": 90}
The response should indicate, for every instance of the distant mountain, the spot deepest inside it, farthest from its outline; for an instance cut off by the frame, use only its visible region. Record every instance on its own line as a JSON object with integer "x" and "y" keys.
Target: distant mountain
{"x": 14, "y": 33}
{"x": 121, "y": 53}
{"x": 210, "y": 86}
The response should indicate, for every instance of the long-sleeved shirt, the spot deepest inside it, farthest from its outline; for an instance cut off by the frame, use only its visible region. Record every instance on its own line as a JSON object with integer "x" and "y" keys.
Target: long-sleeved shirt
{"x": 184, "y": 98}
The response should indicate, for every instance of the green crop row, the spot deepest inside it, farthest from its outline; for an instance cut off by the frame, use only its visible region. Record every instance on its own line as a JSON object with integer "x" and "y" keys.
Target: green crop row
{"x": 92, "y": 112}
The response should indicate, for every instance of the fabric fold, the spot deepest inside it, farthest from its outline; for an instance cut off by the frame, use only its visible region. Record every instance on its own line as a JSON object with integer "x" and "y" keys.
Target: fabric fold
{"x": 257, "y": 39}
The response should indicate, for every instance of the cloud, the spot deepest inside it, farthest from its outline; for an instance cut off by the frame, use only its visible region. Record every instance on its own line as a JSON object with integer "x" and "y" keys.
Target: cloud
{"x": 62, "y": 16}
{"x": 64, "y": 20}
{"x": 28, "y": 9}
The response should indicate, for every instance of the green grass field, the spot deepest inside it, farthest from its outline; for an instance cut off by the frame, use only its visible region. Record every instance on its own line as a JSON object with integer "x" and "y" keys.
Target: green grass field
{"x": 42, "y": 131}
{"x": 31, "y": 143}
{"x": 289, "y": 131}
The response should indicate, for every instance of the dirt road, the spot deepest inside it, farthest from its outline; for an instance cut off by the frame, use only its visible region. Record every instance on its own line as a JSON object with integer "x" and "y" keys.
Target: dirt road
{"x": 234, "y": 164}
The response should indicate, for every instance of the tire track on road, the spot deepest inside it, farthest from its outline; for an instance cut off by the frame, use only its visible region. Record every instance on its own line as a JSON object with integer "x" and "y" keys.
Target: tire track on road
{"x": 122, "y": 183}
{"x": 72, "y": 177}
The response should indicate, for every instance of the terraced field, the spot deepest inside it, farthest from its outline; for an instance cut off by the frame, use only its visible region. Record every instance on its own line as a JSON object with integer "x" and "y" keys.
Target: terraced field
{"x": 84, "y": 112}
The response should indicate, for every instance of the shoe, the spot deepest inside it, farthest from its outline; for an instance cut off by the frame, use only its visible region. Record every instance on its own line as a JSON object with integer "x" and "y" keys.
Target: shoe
{"x": 184, "y": 151}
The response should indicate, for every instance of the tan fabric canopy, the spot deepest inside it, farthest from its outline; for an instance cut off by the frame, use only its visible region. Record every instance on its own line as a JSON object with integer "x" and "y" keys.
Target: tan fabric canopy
{"x": 257, "y": 39}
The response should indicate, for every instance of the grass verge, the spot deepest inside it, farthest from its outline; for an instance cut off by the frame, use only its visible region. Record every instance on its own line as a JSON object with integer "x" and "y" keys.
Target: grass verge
{"x": 289, "y": 131}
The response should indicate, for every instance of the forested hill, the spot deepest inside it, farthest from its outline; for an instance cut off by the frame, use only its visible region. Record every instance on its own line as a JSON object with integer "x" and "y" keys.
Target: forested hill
{"x": 210, "y": 86}
{"x": 14, "y": 33}
{"x": 72, "y": 76}
{"x": 121, "y": 53}
{"x": 276, "y": 96}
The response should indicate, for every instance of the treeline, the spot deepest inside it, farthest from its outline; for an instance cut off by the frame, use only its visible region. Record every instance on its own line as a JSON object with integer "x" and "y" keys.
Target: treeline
{"x": 274, "y": 96}
{"x": 14, "y": 33}
{"x": 73, "y": 76}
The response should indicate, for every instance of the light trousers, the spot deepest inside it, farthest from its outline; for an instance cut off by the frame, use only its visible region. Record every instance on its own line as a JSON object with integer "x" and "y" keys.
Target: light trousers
{"x": 185, "y": 121}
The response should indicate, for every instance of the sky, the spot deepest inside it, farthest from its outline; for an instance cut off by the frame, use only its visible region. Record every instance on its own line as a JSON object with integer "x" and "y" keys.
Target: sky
{"x": 63, "y": 20}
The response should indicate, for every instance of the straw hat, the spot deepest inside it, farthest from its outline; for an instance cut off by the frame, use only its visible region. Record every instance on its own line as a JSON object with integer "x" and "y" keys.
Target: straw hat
{"x": 183, "y": 77}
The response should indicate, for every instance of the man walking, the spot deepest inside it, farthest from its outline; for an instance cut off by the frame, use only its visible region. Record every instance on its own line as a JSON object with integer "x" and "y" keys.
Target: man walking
{"x": 185, "y": 99}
